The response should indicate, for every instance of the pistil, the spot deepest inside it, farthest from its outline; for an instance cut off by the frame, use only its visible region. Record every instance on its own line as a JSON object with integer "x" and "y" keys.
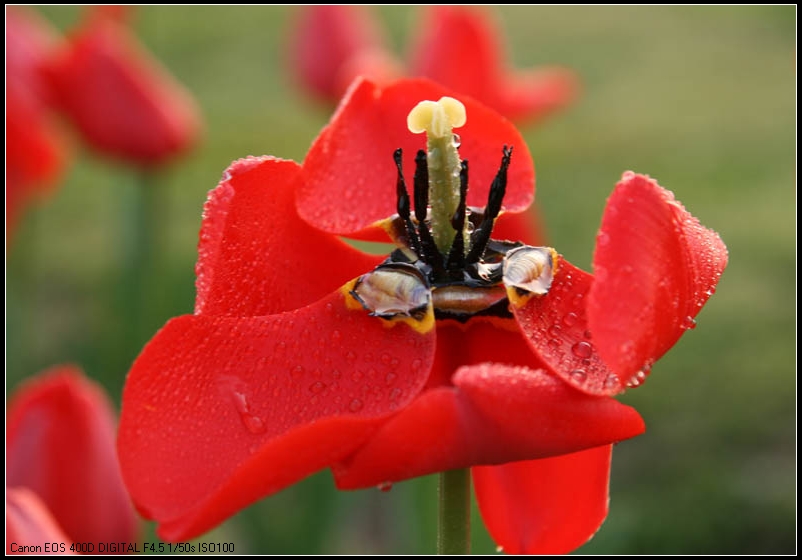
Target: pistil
{"x": 438, "y": 119}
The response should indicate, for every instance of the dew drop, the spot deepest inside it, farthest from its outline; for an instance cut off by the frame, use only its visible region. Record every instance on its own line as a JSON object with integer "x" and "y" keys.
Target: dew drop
{"x": 297, "y": 371}
{"x": 317, "y": 387}
{"x": 335, "y": 336}
{"x": 554, "y": 331}
{"x": 588, "y": 334}
{"x": 385, "y": 486}
{"x": 570, "y": 319}
{"x": 577, "y": 301}
{"x": 356, "y": 405}
{"x": 395, "y": 393}
{"x": 582, "y": 349}
{"x": 390, "y": 378}
{"x": 416, "y": 364}
{"x": 611, "y": 382}
{"x": 499, "y": 549}
{"x": 688, "y": 323}
{"x": 252, "y": 423}
{"x": 603, "y": 239}
{"x": 578, "y": 376}
{"x": 554, "y": 343}
{"x": 350, "y": 357}
{"x": 637, "y": 379}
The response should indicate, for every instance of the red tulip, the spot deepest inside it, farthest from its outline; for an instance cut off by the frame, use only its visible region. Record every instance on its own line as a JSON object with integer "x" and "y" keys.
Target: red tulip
{"x": 282, "y": 371}
{"x": 456, "y": 46}
{"x": 60, "y": 446}
{"x": 120, "y": 98}
{"x": 30, "y": 525}
{"x": 35, "y": 152}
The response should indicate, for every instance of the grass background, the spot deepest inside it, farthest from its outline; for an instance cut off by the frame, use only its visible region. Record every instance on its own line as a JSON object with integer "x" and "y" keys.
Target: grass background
{"x": 701, "y": 98}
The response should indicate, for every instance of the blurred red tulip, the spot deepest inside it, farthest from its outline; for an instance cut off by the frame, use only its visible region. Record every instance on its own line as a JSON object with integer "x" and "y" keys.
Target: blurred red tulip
{"x": 60, "y": 435}
{"x": 121, "y": 99}
{"x": 458, "y": 47}
{"x": 333, "y": 45}
{"x": 29, "y": 524}
{"x": 35, "y": 150}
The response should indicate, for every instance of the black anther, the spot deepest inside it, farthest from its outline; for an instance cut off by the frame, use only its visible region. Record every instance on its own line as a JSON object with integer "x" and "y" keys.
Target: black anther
{"x": 498, "y": 188}
{"x": 402, "y": 205}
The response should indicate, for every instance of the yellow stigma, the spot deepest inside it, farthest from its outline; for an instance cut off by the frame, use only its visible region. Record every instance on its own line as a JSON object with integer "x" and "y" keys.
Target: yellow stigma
{"x": 437, "y": 118}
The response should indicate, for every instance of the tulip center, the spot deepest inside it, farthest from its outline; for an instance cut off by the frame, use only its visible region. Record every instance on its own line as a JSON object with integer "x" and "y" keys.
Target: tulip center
{"x": 446, "y": 258}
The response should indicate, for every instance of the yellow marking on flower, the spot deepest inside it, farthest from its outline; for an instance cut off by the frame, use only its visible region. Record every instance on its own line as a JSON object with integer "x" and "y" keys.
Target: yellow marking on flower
{"x": 437, "y": 118}
{"x": 529, "y": 272}
{"x": 422, "y": 324}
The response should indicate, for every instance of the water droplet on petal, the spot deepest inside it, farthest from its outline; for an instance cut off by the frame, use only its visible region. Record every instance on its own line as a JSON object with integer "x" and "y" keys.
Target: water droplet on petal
{"x": 416, "y": 364}
{"x": 579, "y": 376}
{"x": 385, "y": 486}
{"x": 395, "y": 393}
{"x": 317, "y": 387}
{"x": 570, "y": 319}
{"x": 611, "y": 382}
{"x": 582, "y": 349}
{"x": 499, "y": 549}
{"x": 390, "y": 378}
{"x": 603, "y": 239}
{"x": 252, "y": 423}
{"x": 688, "y": 323}
{"x": 356, "y": 405}
{"x": 554, "y": 331}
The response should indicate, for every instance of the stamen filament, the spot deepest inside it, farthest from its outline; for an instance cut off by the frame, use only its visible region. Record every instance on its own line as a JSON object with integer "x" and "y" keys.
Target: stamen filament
{"x": 403, "y": 203}
{"x": 498, "y": 188}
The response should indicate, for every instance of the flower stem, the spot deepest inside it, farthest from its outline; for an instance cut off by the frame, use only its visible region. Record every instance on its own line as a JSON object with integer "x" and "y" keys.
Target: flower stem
{"x": 143, "y": 242}
{"x": 454, "y": 530}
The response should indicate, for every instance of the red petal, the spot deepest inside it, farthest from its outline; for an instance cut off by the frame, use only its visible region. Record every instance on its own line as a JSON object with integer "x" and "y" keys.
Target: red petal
{"x": 29, "y": 523}
{"x": 332, "y": 45}
{"x": 494, "y": 415}
{"x": 349, "y": 177}
{"x": 121, "y": 99}
{"x": 655, "y": 267}
{"x": 256, "y": 256}
{"x": 526, "y": 227}
{"x": 60, "y": 445}
{"x": 555, "y": 326}
{"x": 548, "y": 506}
{"x": 460, "y": 48}
{"x": 219, "y": 412}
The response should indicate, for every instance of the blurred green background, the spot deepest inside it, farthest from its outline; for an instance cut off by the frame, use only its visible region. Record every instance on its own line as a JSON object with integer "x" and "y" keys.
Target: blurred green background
{"x": 701, "y": 98}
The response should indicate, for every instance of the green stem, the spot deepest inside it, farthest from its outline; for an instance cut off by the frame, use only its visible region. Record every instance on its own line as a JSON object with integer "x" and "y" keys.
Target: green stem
{"x": 444, "y": 166}
{"x": 454, "y": 530}
{"x": 143, "y": 242}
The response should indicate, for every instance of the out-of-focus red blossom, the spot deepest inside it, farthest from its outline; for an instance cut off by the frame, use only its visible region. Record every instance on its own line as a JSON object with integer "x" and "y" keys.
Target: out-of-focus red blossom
{"x": 459, "y": 47}
{"x": 122, "y": 100}
{"x": 35, "y": 149}
{"x": 30, "y": 523}
{"x": 279, "y": 373}
{"x": 60, "y": 432}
